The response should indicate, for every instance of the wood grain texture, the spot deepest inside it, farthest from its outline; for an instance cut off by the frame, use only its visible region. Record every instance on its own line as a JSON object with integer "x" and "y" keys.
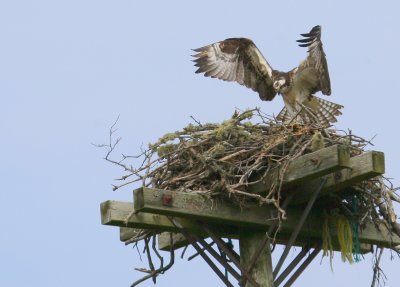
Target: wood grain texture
{"x": 311, "y": 232}
{"x": 362, "y": 167}
{"x": 249, "y": 243}
{"x": 308, "y": 167}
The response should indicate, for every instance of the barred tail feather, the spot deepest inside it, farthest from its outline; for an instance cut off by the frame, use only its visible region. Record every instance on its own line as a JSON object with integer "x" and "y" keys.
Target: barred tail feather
{"x": 316, "y": 110}
{"x": 325, "y": 111}
{"x": 284, "y": 116}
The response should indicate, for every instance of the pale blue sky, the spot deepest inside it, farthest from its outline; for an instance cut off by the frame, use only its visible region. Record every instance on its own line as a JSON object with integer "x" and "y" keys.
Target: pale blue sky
{"x": 68, "y": 68}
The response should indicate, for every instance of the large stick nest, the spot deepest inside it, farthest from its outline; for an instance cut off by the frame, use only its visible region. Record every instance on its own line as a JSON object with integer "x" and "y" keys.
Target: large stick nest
{"x": 223, "y": 160}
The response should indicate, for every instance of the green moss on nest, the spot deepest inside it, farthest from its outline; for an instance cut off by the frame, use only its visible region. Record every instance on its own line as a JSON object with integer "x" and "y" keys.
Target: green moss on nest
{"x": 168, "y": 137}
{"x": 164, "y": 150}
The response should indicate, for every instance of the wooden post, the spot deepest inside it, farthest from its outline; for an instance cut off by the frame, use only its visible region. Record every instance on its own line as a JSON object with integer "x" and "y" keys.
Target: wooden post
{"x": 249, "y": 242}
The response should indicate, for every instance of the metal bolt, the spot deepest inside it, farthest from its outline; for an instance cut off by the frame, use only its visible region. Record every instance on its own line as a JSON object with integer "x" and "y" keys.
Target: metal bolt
{"x": 167, "y": 199}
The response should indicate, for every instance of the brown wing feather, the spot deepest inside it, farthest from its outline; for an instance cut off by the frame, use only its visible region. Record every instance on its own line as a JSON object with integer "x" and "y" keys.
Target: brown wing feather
{"x": 316, "y": 60}
{"x": 239, "y": 60}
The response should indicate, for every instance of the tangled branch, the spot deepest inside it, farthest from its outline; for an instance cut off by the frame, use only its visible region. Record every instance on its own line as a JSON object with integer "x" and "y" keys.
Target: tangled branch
{"x": 223, "y": 160}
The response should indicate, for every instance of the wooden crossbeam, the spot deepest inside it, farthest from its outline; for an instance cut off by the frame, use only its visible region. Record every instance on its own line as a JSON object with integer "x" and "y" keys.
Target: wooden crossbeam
{"x": 118, "y": 213}
{"x": 112, "y": 214}
{"x": 307, "y": 167}
{"x": 178, "y": 241}
{"x": 362, "y": 167}
{"x": 196, "y": 206}
{"x": 115, "y": 213}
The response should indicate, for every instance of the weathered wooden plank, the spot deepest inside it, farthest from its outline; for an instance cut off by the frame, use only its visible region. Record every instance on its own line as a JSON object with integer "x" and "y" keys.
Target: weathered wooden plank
{"x": 308, "y": 167}
{"x": 195, "y": 206}
{"x": 249, "y": 243}
{"x": 115, "y": 213}
{"x": 362, "y": 167}
{"x": 178, "y": 241}
{"x": 126, "y": 233}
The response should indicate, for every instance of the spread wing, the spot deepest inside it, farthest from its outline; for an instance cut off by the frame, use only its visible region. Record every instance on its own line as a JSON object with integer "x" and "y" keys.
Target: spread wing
{"x": 315, "y": 68}
{"x": 237, "y": 59}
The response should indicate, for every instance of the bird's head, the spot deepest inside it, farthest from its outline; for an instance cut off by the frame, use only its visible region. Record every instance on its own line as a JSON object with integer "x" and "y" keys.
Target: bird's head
{"x": 280, "y": 85}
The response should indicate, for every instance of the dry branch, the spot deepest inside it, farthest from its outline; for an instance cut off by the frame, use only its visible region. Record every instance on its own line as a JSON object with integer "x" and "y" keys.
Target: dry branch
{"x": 225, "y": 160}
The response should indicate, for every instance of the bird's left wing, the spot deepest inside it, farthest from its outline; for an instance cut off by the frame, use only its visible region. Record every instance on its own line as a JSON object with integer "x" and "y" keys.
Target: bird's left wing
{"x": 315, "y": 64}
{"x": 237, "y": 59}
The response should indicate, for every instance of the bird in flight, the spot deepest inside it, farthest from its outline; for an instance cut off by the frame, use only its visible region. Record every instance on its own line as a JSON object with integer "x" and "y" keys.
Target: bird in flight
{"x": 239, "y": 60}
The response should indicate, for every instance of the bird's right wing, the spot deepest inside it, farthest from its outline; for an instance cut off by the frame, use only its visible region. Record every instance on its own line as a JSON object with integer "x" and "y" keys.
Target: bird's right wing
{"x": 237, "y": 59}
{"x": 316, "y": 61}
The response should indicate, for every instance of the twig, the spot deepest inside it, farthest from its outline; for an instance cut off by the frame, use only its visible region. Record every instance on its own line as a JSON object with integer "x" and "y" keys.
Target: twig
{"x": 161, "y": 270}
{"x": 377, "y": 268}
{"x": 196, "y": 121}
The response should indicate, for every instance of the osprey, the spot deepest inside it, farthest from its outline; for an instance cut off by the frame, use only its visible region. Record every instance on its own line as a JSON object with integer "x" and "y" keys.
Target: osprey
{"x": 238, "y": 59}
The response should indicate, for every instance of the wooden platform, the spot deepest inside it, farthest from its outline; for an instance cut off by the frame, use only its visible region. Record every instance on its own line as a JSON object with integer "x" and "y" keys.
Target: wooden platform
{"x": 153, "y": 208}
